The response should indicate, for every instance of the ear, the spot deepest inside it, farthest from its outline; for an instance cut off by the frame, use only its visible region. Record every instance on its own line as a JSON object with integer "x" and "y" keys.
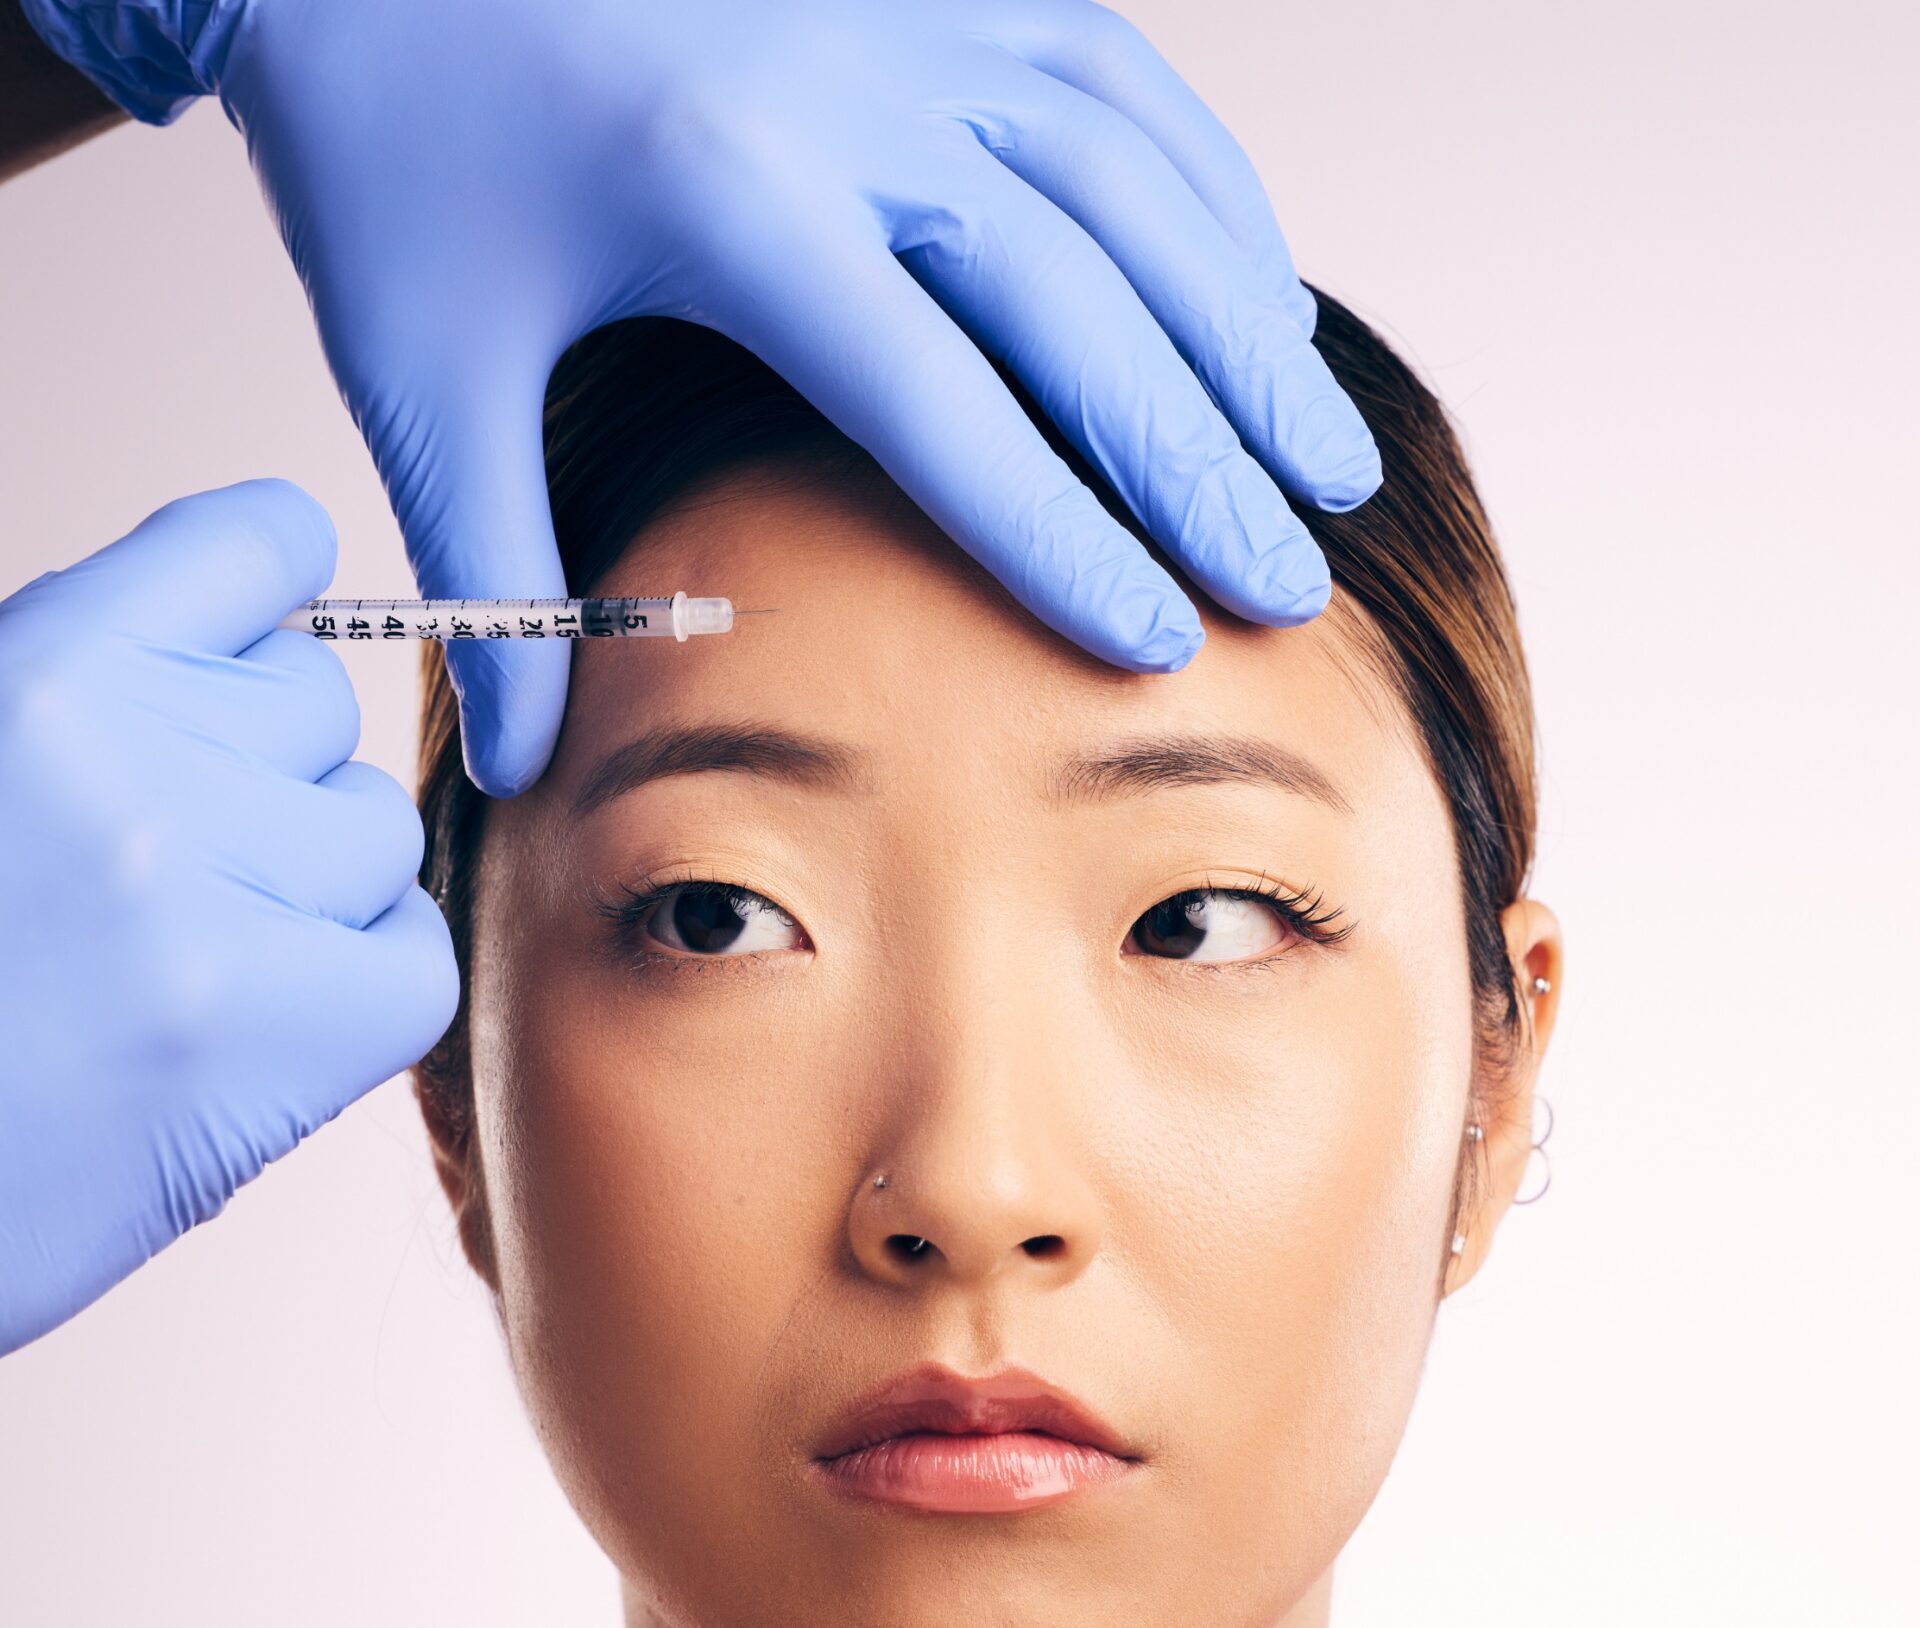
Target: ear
{"x": 1535, "y": 952}
{"x": 456, "y": 1161}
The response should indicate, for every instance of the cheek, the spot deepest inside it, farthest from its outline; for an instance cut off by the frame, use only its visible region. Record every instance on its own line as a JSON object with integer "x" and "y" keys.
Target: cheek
{"x": 648, "y": 1171}
{"x": 1292, "y": 1202}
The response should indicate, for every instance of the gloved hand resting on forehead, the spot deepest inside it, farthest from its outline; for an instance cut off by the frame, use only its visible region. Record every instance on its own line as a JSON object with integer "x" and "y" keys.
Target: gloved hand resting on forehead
{"x": 211, "y": 940}
{"x": 867, "y": 193}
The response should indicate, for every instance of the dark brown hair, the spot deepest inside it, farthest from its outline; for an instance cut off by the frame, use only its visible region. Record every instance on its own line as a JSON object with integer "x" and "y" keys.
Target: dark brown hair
{"x": 641, "y": 412}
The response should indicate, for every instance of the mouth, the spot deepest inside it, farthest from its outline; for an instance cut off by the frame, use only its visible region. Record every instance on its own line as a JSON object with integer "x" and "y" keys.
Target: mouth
{"x": 935, "y": 1441}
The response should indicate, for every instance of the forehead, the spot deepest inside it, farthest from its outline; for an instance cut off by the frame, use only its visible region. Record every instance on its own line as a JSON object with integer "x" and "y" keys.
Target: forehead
{"x": 886, "y": 636}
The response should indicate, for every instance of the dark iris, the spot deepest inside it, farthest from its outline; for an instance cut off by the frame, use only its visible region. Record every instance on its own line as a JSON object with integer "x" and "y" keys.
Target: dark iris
{"x": 709, "y": 918}
{"x": 1175, "y": 927}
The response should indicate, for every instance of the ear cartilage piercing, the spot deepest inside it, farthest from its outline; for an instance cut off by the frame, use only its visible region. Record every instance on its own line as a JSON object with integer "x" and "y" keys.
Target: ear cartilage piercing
{"x": 1459, "y": 1242}
{"x": 1475, "y": 1133}
{"x": 1543, "y": 986}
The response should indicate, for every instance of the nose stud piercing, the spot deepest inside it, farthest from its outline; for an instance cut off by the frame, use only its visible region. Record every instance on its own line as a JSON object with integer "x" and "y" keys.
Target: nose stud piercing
{"x": 879, "y": 1181}
{"x": 1475, "y": 1133}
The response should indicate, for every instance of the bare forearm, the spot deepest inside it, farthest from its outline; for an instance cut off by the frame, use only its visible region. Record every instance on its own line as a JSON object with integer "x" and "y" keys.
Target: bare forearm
{"x": 45, "y": 105}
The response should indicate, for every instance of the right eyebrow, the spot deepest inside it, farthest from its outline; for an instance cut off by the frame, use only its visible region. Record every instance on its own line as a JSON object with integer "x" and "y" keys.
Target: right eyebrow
{"x": 803, "y": 760}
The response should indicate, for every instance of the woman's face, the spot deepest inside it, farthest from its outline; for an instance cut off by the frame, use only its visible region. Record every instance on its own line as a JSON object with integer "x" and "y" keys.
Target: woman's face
{"x": 1147, "y": 997}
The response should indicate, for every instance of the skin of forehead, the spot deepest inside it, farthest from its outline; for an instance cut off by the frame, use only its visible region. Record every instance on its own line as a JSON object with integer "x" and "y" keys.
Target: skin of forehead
{"x": 878, "y": 614}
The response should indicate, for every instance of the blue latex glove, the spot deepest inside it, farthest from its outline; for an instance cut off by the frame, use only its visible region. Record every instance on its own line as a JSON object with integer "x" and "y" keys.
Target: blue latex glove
{"x": 210, "y": 936}
{"x": 851, "y": 189}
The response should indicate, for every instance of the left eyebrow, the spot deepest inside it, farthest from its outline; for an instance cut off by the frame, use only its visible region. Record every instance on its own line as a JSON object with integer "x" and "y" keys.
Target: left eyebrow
{"x": 1159, "y": 762}
{"x": 801, "y": 760}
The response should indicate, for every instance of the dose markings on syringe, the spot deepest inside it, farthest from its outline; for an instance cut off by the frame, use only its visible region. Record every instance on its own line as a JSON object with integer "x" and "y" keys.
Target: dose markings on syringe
{"x": 512, "y": 619}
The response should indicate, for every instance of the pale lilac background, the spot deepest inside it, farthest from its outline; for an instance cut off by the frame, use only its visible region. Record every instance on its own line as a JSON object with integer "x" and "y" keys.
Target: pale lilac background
{"x": 1661, "y": 260}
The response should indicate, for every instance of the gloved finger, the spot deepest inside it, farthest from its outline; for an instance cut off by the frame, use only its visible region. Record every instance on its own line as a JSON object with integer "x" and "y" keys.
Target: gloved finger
{"x": 346, "y": 847}
{"x": 1099, "y": 52}
{"x": 285, "y": 700}
{"x": 847, "y": 325}
{"x": 1033, "y": 288}
{"x": 458, "y": 439}
{"x": 383, "y": 995}
{"x": 211, "y": 572}
{"x": 1232, "y": 328}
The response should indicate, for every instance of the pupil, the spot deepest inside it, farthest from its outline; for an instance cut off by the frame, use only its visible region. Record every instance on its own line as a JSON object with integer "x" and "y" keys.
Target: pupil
{"x": 1175, "y": 927}
{"x": 708, "y": 918}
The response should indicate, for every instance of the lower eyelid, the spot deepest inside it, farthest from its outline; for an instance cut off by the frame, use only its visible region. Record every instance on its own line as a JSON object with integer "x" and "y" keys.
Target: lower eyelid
{"x": 677, "y": 962}
{"x": 1255, "y": 963}
{"x": 1189, "y": 964}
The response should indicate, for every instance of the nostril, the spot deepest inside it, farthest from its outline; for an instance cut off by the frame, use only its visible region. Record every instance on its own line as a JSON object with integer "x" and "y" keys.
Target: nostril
{"x": 905, "y": 1247}
{"x": 1045, "y": 1247}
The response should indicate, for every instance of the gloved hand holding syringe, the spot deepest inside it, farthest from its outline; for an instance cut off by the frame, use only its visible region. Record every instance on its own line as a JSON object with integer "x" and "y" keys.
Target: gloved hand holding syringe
{"x": 184, "y": 817}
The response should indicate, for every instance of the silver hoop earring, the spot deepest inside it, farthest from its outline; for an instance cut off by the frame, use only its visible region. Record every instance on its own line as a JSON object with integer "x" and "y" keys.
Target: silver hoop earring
{"x": 1539, "y": 1146}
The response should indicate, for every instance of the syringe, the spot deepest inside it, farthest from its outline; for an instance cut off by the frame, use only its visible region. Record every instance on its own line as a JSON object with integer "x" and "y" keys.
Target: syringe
{"x": 450, "y": 619}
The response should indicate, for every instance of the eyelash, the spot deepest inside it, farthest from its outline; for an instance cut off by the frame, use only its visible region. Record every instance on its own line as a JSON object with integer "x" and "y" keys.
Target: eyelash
{"x": 626, "y": 908}
{"x": 1305, "y": 913}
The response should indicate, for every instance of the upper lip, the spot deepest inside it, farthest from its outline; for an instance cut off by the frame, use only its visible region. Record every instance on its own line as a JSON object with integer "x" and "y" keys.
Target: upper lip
{"x": 932, "y": 1397}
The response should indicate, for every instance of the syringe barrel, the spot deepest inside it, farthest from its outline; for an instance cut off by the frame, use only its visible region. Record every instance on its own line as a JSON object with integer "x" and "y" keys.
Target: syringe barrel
{"x": 451, "y": 620}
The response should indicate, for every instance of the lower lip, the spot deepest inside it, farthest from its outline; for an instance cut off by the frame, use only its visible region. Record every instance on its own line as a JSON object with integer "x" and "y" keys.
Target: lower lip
{"x": 971, "y": 1475}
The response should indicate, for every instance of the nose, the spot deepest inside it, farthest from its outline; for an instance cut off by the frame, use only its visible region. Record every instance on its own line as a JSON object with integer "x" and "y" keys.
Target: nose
{"x": 980, "y": 1175}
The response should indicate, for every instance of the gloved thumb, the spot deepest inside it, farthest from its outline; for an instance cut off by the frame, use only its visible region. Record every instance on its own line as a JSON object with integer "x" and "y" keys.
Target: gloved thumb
{"x": 459, "y": 447}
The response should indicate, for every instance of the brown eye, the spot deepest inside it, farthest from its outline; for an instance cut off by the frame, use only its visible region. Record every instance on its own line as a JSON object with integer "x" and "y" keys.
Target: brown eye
{"x": 710, "y": 919}
{"x": 1208, "y": 924}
